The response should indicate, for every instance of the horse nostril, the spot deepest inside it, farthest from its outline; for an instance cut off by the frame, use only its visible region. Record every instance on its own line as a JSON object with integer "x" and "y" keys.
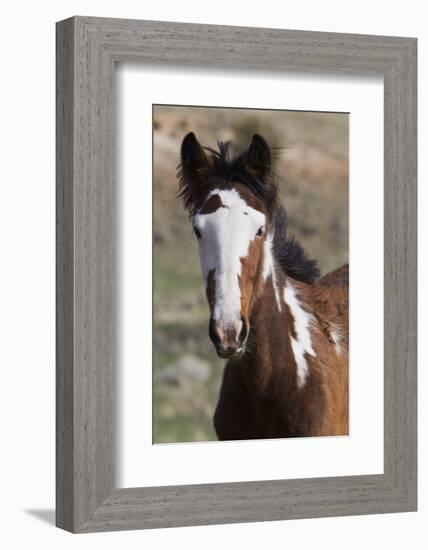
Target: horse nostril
{"x": 216, "y": 338}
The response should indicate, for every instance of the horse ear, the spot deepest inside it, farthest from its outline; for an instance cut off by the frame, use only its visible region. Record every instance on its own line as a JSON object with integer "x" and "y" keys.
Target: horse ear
{"x": 257, "y": 158}
{"x": 195, "y": 164}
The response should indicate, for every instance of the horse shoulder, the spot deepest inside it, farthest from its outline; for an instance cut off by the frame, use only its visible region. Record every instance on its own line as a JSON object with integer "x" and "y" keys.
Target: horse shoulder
{"x": 330, "y": 305}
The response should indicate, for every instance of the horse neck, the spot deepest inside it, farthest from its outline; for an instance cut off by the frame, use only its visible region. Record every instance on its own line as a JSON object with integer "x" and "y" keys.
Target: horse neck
{"x": 280, "y": 310}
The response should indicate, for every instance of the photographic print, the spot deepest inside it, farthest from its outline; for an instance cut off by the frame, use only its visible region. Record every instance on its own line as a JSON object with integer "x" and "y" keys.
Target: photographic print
{"x": 202, "y": 279}
{"x": 250, "y": 274}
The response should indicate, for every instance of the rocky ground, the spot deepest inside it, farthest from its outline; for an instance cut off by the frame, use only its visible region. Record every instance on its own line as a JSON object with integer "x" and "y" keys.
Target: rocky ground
{"x": 311, "y": 158}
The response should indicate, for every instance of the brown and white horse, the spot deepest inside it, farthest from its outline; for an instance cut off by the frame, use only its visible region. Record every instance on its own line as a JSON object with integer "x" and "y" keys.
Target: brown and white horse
{"x": 283, "y": 331}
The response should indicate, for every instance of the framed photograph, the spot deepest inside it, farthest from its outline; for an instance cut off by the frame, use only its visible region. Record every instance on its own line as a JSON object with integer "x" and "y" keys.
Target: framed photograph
{"x": 236, "y": 274}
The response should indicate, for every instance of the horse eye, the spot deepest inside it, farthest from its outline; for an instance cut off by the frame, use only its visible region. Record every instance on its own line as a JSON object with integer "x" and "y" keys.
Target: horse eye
{"x": 259, "y": 232}
{"x": 197, "y": 232}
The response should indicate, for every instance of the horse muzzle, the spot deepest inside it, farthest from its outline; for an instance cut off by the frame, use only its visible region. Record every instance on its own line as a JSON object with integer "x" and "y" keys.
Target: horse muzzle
{"x": 228, "y": 338}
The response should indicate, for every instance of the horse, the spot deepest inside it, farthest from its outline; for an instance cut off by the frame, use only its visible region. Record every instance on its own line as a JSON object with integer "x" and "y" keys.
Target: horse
{"x": 282, "y": 329}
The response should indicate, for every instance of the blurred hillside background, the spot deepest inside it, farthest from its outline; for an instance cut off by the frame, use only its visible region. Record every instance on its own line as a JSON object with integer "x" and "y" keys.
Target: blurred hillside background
{"x": 313, "y": 166}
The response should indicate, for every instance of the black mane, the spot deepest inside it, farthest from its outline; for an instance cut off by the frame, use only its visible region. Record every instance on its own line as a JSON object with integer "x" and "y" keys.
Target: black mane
{"x": 289, "y": 254}
{"x": 232, "y": 169}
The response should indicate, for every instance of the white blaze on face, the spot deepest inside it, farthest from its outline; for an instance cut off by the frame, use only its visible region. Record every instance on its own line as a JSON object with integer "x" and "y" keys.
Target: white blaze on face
{"x": 226, "y": 234}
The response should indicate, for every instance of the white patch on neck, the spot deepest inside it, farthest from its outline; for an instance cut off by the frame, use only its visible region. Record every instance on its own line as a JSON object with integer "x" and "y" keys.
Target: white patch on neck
{"x": 302, "y": 344}
{"x": 337, "y": 339}
{"x": 269, "y": 268}
{"x": 225, "y": 238}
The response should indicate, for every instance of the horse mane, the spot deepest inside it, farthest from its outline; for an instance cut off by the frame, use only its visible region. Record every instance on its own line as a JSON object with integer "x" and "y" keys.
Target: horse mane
{"x": 288, "y": 252}
{"x": 230, "y": 169}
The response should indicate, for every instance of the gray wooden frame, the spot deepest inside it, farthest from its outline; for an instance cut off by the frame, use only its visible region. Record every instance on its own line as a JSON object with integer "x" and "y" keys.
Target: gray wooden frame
{"x": 87, "y": 50}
